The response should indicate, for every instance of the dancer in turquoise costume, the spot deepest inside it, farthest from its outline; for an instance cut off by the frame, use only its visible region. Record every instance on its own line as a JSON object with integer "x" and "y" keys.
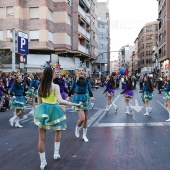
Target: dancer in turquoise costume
{"x": 32, "y": 92}
{"x": 17, "y": 101}
{"x": 48, "y": 115}
{"x": 167, "y": 96}
{"x": 81, "y": 85}
{"x": 147, "y": 94}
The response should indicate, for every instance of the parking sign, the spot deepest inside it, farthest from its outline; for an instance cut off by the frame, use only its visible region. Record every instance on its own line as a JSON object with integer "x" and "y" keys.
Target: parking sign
{"x": 22, "y": 43}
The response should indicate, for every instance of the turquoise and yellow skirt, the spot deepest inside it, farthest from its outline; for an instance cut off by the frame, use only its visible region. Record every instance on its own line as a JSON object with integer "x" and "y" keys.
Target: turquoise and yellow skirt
{"x": 50, "y": 116}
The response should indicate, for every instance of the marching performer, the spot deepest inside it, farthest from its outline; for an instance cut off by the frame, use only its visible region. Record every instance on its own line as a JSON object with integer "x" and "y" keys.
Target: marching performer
{"x": 128, "y": 93}
{"x": 48, "y": 115}
{"x": 110, "y": 92}
{"x": 81, "y": 85}
{"x": 147, "y": 94}
{"x": 167, "y": 96}
{"x": 32, "y": 92}
{"x": 17, "y": 101}
{"x": 62, "y": 84}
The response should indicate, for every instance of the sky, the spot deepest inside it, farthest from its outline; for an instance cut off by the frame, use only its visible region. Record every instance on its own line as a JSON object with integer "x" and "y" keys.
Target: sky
{"x": 127, "y": 17}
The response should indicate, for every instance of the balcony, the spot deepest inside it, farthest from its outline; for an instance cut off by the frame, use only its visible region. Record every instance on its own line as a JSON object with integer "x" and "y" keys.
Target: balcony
{"x": 83, "y": 49}
{"x": 83, "y": 31}
{"x": 84, "y": 14}
{"x": 87, "y": 3}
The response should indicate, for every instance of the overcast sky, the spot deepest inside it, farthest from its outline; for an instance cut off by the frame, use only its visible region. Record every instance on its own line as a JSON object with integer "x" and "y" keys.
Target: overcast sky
{"x": 127, "y": 17}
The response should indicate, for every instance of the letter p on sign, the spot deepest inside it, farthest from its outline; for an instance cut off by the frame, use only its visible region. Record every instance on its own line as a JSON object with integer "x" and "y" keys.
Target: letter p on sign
{"x": 23, "y": 42}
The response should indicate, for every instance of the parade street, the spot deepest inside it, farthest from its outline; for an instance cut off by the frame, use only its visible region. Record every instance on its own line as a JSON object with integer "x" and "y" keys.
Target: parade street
{"x": 117, "y": 141}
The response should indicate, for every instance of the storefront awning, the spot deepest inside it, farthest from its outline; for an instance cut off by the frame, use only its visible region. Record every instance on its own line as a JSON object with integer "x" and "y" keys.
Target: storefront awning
{"x": 67, "y": 63}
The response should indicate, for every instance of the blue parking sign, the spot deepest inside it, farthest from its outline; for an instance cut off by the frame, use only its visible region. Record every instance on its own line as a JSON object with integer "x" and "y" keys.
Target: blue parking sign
{"x": 22, "y": 43}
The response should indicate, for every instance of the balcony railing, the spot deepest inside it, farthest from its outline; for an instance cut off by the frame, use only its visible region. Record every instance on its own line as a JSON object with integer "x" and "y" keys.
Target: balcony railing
{"x": 83, "y": 49}
{"x": 87, "y": 3}
{"x": 83, "y": 31}
{"x": 84, "y": 14}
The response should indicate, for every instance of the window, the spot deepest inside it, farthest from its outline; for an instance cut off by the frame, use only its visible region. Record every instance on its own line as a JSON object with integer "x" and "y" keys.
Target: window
{"x": 156, "y": 36}
{"x": 34, "y": 35}
{"x": 1, "y": 35}
{"x": 101, "y": 36}
{"x": 50, "y": 36}
{"x": 101, "y": 25}
{"x": 8, "y": 34}
{"x": 101, "y": 46}
{"x": 148, "y": 45}
{"x": 9, "y": 10}
{"x": 50, "y": 15}
{"x": 1, "y": 13}
{"x": 69, "y": 40}
{"x": 69, "y": 19}
{"x": 34, "y": 12}
{"x": 149, "y": 29}
{"x": 87, "y": 64}
{"x": 101, "y": 56}
{"x": 149, "y": 37}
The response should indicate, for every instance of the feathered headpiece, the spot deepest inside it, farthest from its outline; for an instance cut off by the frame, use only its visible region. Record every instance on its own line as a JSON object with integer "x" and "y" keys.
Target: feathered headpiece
{"x": 47, "y": 64}
{"x": 57, "y": 67}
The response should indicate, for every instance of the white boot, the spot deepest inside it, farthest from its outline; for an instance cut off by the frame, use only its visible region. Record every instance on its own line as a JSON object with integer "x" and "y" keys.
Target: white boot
{"x": 115, "y": 106}
{"x": 43, "y": 160}
{"x": 12, "y": 120}
{"x": 168, "y": 120}
{"x": 77, "y": 134}
{"x": 150, "y": 109}
{"x": 17, "y": 123}
{"x": 84, "y": 137}
{"x": 147, "y": 112}
{"x": 56, "y": 150}
{"x": 127, "y": 112}
{"x": 107, "y": 107}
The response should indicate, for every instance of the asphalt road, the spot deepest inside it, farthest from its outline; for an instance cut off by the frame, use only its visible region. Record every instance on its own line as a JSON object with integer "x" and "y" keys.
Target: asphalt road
{"x": 116, "y": 141}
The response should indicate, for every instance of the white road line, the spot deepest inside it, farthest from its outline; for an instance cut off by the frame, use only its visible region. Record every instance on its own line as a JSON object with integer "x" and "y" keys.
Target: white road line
{"x": 101, "y": 114}
{"x": 26, "y": 119}
{"x": 94, "y": 117}
{"x": 134, "y": 124}
{"x": 161, "y": 104}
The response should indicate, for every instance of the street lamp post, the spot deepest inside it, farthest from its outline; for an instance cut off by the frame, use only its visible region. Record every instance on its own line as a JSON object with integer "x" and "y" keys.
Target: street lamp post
{"x": 104, "y": 53}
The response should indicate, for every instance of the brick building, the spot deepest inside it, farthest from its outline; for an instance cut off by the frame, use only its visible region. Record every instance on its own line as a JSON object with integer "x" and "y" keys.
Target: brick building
{"x": 58, "y": 30}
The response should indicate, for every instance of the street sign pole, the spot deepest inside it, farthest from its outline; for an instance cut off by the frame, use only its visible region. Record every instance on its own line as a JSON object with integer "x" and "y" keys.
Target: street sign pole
{"x": 13, "y": 50}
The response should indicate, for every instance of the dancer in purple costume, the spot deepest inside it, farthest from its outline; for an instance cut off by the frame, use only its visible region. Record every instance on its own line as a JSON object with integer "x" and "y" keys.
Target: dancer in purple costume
{"x": 128, "y": 93}
{"x": 62, "y": 84}
{"x": 110, "y": 92}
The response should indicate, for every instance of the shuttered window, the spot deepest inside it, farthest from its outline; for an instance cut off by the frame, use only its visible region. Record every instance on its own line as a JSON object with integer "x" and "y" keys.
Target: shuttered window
{"x": 8, "y": 34}
{"x": 1, "y": 13}
{"x": 1, "y": 35}
{"x": 34, "y": 12}
{"x": 34, "y": 35}
{"x": 50, "y": 15}
{"x": 50, "y": 36}
{"x": 9, "y": 10}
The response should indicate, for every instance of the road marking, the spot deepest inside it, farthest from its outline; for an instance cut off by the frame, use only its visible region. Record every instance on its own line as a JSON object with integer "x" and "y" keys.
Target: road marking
{"x": 100, "y": 113}
{"x": 161, "y": 104}
{"x": 94, "y": 117}
{"x": 136, "y": 106}
{"x": 133, "y": 124}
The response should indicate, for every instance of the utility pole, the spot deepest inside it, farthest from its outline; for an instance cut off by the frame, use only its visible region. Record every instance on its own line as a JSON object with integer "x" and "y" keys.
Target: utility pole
{"x": 108, "y": 22}
{"x": 13, "y": 48}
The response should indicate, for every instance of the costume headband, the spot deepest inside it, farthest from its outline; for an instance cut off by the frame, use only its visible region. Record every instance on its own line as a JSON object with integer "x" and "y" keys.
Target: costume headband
{"x": 47, "y": 64}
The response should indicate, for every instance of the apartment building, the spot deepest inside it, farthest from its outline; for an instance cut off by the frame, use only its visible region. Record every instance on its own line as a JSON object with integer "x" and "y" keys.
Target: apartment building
{"x": 114, "y": 66}
{"x": 124, "y": 57}
{"x": 147, "y": 39}
{"x": 59, "y": 30}
{"x": 135, "y": 58}
{"x": 102, "y": 32}
{"x": 164, "y": 36}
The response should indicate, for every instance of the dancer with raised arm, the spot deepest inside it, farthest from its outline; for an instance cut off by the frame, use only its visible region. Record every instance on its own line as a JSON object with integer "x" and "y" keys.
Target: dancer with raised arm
{"x": 49, "y": 115}
{"x": 81, "y": 85}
